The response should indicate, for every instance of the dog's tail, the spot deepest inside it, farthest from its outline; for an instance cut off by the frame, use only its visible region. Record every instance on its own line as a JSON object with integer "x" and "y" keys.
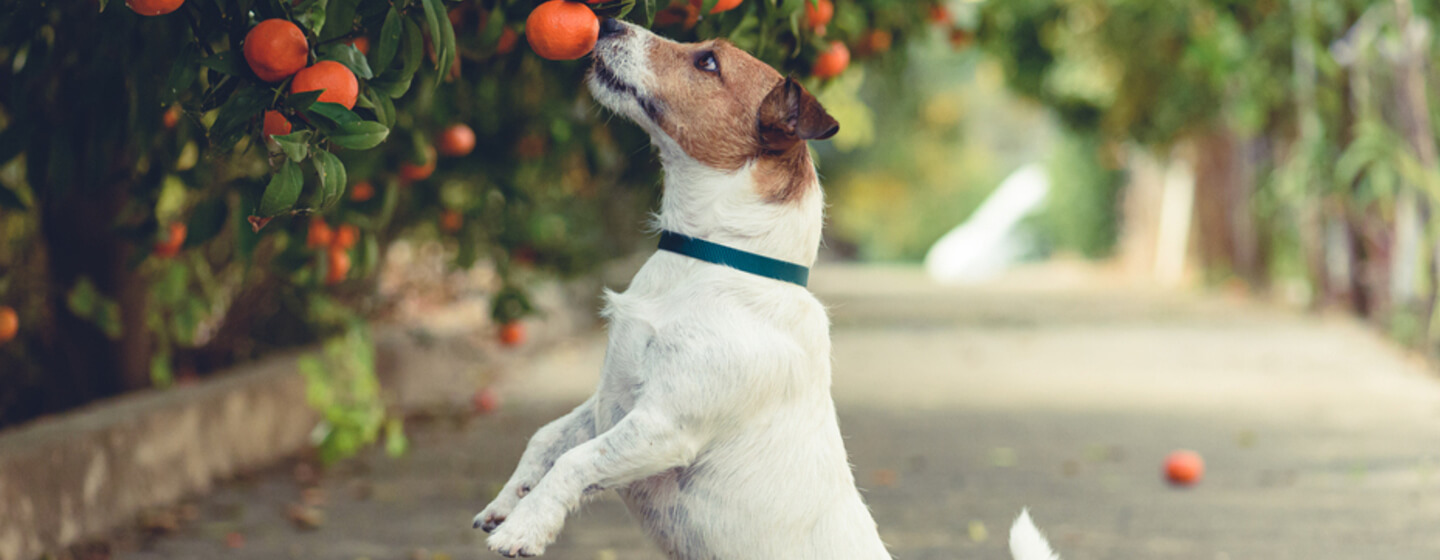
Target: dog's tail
{"x": 1026, "y": 542}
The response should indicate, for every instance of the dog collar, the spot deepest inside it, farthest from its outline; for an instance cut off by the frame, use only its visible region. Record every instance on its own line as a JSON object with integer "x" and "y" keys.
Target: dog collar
{"x": 744, "y": 261}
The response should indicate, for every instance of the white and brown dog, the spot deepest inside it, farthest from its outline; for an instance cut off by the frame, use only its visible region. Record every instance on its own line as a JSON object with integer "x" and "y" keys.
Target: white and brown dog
{"x": 713, "y": 419}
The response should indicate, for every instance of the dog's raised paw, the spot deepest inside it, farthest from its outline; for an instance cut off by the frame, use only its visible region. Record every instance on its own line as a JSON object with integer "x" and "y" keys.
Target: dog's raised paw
{"x": 512, "y": 543}
{"x": 488, "y": 521}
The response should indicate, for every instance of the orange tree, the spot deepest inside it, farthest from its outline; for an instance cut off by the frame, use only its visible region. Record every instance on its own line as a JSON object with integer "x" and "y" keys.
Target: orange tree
{"x": 189, "y": 183}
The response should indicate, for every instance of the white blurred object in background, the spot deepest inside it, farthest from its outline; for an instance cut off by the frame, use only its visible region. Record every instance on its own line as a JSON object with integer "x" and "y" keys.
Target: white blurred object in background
{"x": 994, "y": 238}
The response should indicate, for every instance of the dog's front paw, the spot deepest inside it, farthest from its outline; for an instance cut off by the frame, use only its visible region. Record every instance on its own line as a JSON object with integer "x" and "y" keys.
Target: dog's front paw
{"x": 495, "y": 513}
{"x": 527, "y": 530}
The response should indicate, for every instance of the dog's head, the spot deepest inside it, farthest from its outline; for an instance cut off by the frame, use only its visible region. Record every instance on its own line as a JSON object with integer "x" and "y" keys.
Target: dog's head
{"x": 714, "y": 103}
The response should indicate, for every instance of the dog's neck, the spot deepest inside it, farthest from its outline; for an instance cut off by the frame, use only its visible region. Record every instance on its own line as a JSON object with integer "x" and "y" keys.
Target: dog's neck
{"x": 727, "y": 208}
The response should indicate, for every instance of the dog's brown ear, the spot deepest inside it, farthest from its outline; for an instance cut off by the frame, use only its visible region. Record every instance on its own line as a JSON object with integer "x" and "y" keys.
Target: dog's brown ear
{"x": 789, "y": 114}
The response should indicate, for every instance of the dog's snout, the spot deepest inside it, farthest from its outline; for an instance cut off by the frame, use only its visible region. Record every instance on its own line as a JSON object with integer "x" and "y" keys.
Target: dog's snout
{"x": 610, "y": 27}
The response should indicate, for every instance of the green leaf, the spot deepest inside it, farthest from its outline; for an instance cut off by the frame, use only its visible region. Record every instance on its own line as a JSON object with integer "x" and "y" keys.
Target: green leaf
{"x": 361, "y": 135}
{"x": 434, "y": 13}
{"x": 413, "y": 49}
{"x": 447, "y": 50}
{"x": 14, "y": 139}
{"x": 706, "y": 6}
{"x": 283, "y": 190}
{"x": 380, "y": 104}
{"x": 296, "y": 145}
{"x": 9, "y": 199}
{"x": 393, "y": 88}
{"x": 350, "y": 57}
{"x": 311, "y": 15}
{"x": 236, "y": 115}
{"x": 339, "y": 19}
{"x": 303, "y": 100}
{"x": 332, "y": 178}
{"x": 649, "y": 13}
{"x": 104, "y": 3}
{"x": 333, "y": 112}
{"x": 182, "y": 74}
{"x": 390, "y": 33}
{"x": 227, "y": 63}
{"x": 206, "y": 221}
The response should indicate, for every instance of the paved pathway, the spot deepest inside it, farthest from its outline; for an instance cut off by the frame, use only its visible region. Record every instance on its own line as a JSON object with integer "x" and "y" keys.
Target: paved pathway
{"x": 959, "y": 406}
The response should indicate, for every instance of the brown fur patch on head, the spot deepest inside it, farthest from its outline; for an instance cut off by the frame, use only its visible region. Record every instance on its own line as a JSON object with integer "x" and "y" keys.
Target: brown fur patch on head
{"x": 736, "y": 111}
{"x": 711, "y": 115}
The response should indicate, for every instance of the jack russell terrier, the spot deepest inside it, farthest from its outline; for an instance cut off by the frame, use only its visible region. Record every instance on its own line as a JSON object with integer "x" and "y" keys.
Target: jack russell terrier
{"x": 713, "y": 418}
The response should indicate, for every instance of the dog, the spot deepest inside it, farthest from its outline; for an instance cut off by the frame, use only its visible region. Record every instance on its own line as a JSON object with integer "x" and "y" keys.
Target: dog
{"x": 713, "y": 418}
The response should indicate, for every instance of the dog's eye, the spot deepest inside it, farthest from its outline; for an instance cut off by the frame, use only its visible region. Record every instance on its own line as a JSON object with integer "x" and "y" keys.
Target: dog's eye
{"x": 707, "y": 63}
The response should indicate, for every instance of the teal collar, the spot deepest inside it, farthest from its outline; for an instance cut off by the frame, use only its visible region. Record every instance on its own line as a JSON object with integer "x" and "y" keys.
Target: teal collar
{"x": 743, "y": 261}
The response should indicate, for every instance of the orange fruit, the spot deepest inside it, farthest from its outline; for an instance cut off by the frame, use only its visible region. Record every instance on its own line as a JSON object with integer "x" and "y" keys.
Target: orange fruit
{"x": 345, "y": 236}
{"x": 9, "y": 323}
{"x": 170, "y": 246}
{"x": 456, "y": 140}
{"x": 338, "y": 265}
{"x": 361, "y": 44}
{"x": 338, "y": 82}
{"x": 362, "y": 191}
{"x": 832, "y": 62}
{"x": 560, "y": 30}
{"x": 154, "y": 7}
{"x": 939, "y": 15}
{"x": 1184, "y": 467}
{"x": 512, "y": 334}
{"x": 721, "y": 6}
{"x": 409, "y": 172}
{"x": 450, "y": 220}
{"x": 276, "y": 49}
{"x": 876, "y": 41}
{"x": 276, "y": 124}
{"x": 320, "y": 234}
{"x": 507, "y": 41}
{"x": 171, "y": 118}
{"x": 485, "y": 400}
{"x": 819, "y": 14}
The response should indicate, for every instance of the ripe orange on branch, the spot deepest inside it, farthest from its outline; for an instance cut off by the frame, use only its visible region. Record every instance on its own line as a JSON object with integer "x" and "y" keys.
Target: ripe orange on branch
{"x": 276, "y": 49}
{"x": 832, "y": 62}
{"x": 456, "y": 140}
{"x": 337, "y": 265}
{"x": 9, "y": 324}
{"x": 721, "y": 6}
{"x": 410, "y": 172}
{"x": 818, "y": 15}
{"x": 154, "y": 7}
{"x": 276, "y": 124}
{"x": 338, "y": 82}
{"x": 170, "y": 246}
{"x": 561, "y": 30}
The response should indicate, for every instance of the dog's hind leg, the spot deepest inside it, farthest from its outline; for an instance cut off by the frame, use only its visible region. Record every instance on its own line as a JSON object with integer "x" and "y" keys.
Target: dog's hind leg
{"x": 646, "y": 442}
{"x": 547, "y": 445}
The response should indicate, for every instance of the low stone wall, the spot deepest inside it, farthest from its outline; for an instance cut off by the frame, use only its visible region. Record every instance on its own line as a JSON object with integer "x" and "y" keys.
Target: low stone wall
{"x": 77, "y": 475}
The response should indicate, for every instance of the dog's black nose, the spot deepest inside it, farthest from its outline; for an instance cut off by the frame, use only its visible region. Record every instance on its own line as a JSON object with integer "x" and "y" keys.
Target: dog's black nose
{"x": 611, "y": 26}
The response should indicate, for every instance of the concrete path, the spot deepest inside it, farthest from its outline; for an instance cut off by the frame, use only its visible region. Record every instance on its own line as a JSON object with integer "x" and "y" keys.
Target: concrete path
{"x": 1055, "y": 389}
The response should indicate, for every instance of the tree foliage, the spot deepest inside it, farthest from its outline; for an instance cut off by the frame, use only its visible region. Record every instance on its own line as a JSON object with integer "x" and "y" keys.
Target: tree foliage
{"x": 119, "y": 128}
